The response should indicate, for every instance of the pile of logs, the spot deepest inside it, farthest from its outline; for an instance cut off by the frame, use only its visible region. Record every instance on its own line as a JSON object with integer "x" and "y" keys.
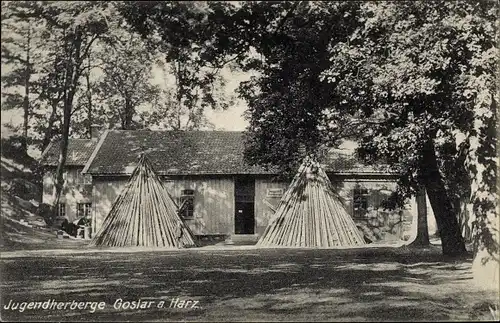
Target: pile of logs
{"x": 144, "y": 214}
{"x": 310, "y": 214}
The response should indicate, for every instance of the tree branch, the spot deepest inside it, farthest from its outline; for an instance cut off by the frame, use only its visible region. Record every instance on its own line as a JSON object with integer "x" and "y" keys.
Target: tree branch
{"x": 76, "y": 109}
{"x": 89, "y": 67}
{"x": 287, "y": 16}
{"x": 86, "y": 50}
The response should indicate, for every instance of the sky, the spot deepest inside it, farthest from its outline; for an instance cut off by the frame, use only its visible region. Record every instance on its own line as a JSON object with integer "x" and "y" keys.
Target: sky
{"x": 230, "y": 120}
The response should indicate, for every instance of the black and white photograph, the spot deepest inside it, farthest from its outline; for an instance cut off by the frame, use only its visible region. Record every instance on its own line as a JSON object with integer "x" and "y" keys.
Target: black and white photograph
{"x": 245, "y": 161}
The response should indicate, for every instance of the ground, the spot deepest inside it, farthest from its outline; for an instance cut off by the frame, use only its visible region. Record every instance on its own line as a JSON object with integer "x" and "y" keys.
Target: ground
{"x": 19, "y": 196}
{"x": 247, "y": 283}
{"x": 231, "y": 283}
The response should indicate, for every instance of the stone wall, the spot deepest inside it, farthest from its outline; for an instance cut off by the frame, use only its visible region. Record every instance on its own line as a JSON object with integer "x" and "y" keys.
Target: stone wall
{"x": 377, "y": 223}
{"x": 77, "y": 189}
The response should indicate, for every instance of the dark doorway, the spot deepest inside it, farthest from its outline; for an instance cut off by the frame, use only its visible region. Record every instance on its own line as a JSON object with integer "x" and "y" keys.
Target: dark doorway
{"x": 244, "y": 197}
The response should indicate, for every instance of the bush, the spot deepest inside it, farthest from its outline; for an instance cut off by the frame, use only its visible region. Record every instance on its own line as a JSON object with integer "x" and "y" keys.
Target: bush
{"x": 24, "y": 189}
{"x": 12, "y": 148}
{"x": 45, "y": 211}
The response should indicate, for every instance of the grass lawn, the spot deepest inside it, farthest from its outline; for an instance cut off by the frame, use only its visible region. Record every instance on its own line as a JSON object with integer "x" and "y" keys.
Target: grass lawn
{"x": 248, "y": 284}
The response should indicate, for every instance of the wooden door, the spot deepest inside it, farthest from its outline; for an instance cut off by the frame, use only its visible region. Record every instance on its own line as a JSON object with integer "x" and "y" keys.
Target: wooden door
{"x": 244, "y": 200}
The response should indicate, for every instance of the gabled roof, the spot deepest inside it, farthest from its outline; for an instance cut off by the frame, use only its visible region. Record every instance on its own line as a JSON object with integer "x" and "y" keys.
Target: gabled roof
{"x": 191, "y": 153}
{"x": 346, "y": 163}
{"x": 79, "y": 152}
{"x": 172, "y": 153}
{"x": 155, "y": 222}
{"x": 310, "y": 214}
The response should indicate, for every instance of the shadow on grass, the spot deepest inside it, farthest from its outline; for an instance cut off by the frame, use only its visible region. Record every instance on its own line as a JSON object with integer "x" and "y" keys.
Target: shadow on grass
{"x": 266, "y": 284}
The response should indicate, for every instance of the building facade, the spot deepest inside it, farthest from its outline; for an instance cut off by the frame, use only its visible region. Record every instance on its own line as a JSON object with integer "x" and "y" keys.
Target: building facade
{"x": 223, "y": 195}
{"x": 76, "y": 198}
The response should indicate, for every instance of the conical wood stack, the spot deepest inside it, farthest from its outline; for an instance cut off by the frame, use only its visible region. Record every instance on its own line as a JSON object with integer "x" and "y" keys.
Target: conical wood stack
{"x": 310, "y": 214}
{"x": 144, "y": 214}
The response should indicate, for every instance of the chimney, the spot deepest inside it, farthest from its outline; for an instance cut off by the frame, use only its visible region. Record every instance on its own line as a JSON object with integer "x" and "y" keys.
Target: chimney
{"x": 302, "y": 149}
{"x": 95, "y": 131}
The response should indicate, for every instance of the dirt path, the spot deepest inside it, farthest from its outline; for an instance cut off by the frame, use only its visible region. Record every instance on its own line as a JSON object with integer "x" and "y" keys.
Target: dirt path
{"x": 380, "y": 284}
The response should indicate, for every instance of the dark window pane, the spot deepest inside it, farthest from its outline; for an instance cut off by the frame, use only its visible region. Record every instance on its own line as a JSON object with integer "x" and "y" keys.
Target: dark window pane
{"x": 61, "y": 209}
{"x": 186, "y": 203}
{"x": 360, "y": 202}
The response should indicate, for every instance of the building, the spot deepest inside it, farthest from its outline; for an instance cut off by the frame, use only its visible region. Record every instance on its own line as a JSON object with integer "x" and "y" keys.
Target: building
{"x": 76, "y": 198}
{"x": 226, "y": 197}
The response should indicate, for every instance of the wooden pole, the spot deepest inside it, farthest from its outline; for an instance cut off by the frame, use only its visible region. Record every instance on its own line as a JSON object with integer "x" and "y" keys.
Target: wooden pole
{"x": 144, "y": 214}
{"x": 310, "y": 215}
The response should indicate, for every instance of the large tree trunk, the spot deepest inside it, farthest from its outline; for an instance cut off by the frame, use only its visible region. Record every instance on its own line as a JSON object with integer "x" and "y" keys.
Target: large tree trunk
{"x": 26, "y": 102}
{"x": 89, "y": 100}
{"x": 63, "y": 149}
{"x": 48, "y": 133}
{"x": 486, "y": 263}
{"x": 63, "y": 152}
{"x": 446, "y": 220}
{"x": 486, "y": 231}
{"x": 128, "y": 115}
{"x": 422, "y": 236}
{"x": 72, "y": 75}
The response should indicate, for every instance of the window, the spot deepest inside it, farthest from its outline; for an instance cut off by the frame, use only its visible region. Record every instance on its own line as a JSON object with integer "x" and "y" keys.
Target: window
{"x": 186, "y": 204}
{"x": 82, "y": 178}
{"x": 274, "y": 192}
{"x": 61, "y": 209}
{"x": 83, "y": 209}
{"x": 87, "y": 179}
{"x": 360, "y": 202}
{"x": 78, "y": 178}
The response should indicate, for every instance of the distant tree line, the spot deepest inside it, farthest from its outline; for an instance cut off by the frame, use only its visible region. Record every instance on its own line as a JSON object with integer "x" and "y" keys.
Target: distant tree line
{"x": 70, "y": 65}
{"x": 414, "y": 82}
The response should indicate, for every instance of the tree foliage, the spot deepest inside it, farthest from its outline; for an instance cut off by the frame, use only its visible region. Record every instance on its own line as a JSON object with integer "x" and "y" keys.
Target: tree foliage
{"x": 112, "y": 82}
{"x": 125, "y": 84}
{"x": 415, "y": 80}
{"x": 183, "y": 32}
{"x": 70, "y": 30}
{"x": 426, "y": 72}
{"x": 169, "y": 110}
{"x": 20, "y": 44}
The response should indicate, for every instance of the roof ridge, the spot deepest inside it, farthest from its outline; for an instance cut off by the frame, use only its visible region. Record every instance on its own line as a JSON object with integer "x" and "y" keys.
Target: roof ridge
{"x": 165, "y": 130}
{"x": 94, "y": 152}
{"x": 78, "y": 151}
{"x": 177, "y": 152}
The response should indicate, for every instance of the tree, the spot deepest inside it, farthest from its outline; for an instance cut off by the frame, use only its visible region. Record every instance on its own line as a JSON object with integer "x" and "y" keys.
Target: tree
{"x": 19, "y": 46}
{"x": 71, "y": 29}
{"x": 126, "y": 83}
{"x": 182, "y": 32}
{"x": 177, "y": 108}
{"x": 426, "y": 72}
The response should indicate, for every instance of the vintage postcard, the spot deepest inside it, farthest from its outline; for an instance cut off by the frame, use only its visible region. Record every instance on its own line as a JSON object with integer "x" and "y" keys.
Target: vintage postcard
{"x": 249, "y": 161}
